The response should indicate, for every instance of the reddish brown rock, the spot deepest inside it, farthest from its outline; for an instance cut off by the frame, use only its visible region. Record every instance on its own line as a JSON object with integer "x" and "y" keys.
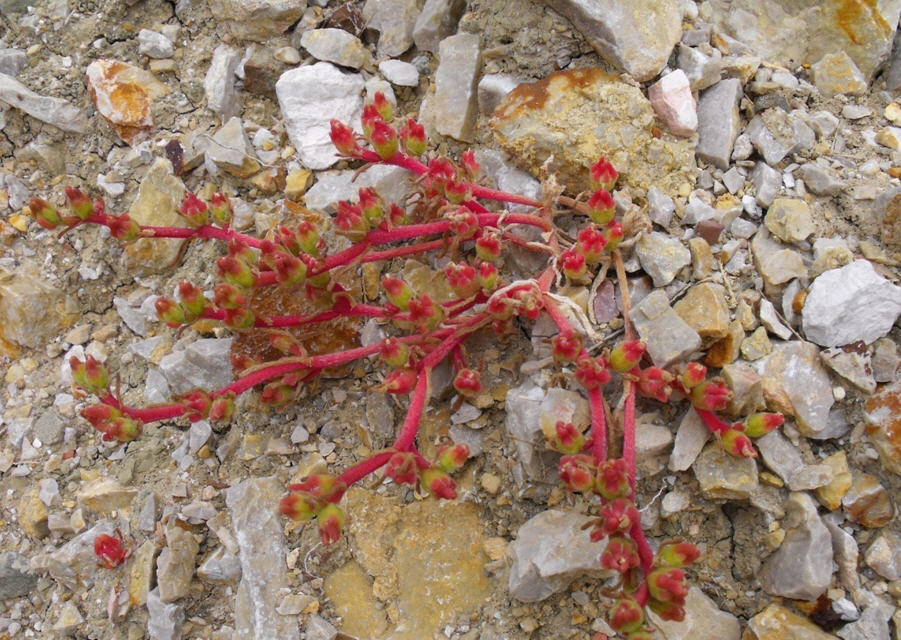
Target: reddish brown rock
{"x": 868, "y": 503}
{"x": 123, "y": 95}
{"x": 883, "y": 413}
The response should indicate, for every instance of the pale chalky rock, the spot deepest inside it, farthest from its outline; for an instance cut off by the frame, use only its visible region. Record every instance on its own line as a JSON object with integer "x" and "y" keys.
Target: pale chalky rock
{"x": 701, "y": 69}
{"x": 873, "y": 622}
{"x": 154, "y": 44}
{"x": 392, "y": 183}
{"x": 105, "y": 495}
{"x": 776, "y": 134}
{"x": 724, "y": 477}
{"x": 789, "y": 220}
{"x": 437, "y": 21}
{"x": 669, "y": 338}
{"x": 776, "y": 262}
{"x": 74, "y": 564}
{"x": 703, "y": 620}
{"x": 69, "y": 619}
{"x": 884, "y": 555}
{"x": 718, "y": 122}
{"x": 523, "y": 405}
{"x": 636, "y": 37}
{"x": 309, "y": 98}
{"x": 55, "y": 111}
{"x": 261, "y": 542}
{"x": 561, "y": 405}
{"x": 394, "y": 20}
{"x": 767, "y": 183}
{"x": 796, "y": 383}
{"x": 674, "y": 104}
{"x": 778, "y": 623}
{"x": 338, "y": 46}
{"x": 801, "y": 568}
{"x": 661, "y": 256}
{"x": 579, "y": 115}
{"x": 12, "y": 61}
{"x": 231, "y": 150}
{"x": 123, "y": 95}
{"x": 850, "y": 304}
{"x": 203, "y": 364}
{"x": 175, "y": 564}
{"x": 836, "y": 73}
{"x": 219, "y": 83}
{"x": 803, "y": 32}
{"x": 451, "y": 109}
{"x": 399, "y": 73}
{"x": 819, "y": 180}
{"x": 550, "y": 551}
{"x": 33, "y": 308}
{"x": 705, "y": 310}
{"x": 165, "y": 620}
{"x": 159, "y": 197}
{"x": 258, "y": 20}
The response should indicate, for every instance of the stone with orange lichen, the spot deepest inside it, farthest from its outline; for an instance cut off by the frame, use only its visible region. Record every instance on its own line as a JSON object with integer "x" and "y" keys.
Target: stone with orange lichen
{"x": 883, "y": 413}
{"x": 578, "y": 115}
{"x": 123, "y": 95}
{"x": 867, "y": 502}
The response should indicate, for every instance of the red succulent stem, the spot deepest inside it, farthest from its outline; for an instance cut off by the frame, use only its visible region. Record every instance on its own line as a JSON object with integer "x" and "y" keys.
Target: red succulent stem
{"x": 207, "y": 231}
{"x": 361, "y": 470}
{"x": 167, "y": 411}
{"x": 278, "y": 322}
{"x": 713, "y": 422}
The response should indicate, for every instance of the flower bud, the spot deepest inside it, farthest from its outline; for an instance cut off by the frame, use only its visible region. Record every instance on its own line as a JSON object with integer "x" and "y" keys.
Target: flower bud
{"x": 591, "y": 372}
{"x": 438, "y": 483}
{"x": 604, "y": 174}
{"x": 384, "y": 140}
{"x": 501, "y": 308}
{"x": 621, "y": 555}
{"x": 654, "y": 382}
{"x": 198, "y": 403}
{"x": 425, "y": 314}
{"x": 239, "y": 319}
{"x": 194, "y": 210}
{"x": 601, "y": 207}
{"x": 626, "y": 355}
{"x": 669, "y": 611}
{"x": 79, "y": 202}
{"x": 236, "y": 271}
{"x": 577, "y": 472}
{"x": 694, "y": 374}
{"x": 566, "y": 347}
{"x": 463, "y": 223}
{"x": 398, "y": 216}
{"x": 529, "y": 303}
{"x": 488, "y": 277}
{"x": 192, "y": 301}
{"x": 470, "y": 164}
{"x": 99, "y": 414}
{"x": 350, "y": 221}
{"x": 221, "y": 209}
{"x": 398, "y": 292}
{"x": 343, "y": 138}
{"x": 383, "y": 106}
{"x": 299, "y": 506}
{"x": 402, "y": 468}
{"x": 121, "y": 429}
{"x": 124, "y": 228}
{"x": 613, "y": 479}
{"x": 412, "y": 136}
{"x": 488, "y": 245}
{"x": 308, "y": 239}
{"x": 277, "y": 393}
{"x": 394, "y": 353}
{"x": 462, "y": 279}
{"x": 330, "y": 521}
{"x": 400, "y": 381}
{"x": 566, "y": 438}
{"x": 614, "y": 234}
{"x": 711, "y": 395}
{"x": 467, "y": 382}
{"x": 573, "y": 264}
{"x": 617, "y": 517}
{"x": 89, "y": 374}
{"x": 456, "y": 191}
{"x": 591, "y": 244}
{"x": 323, "y": 486}
{"x": 452, "y": 457}
{"x": 760, "y": 424}
{"x": 676, "y": 554}
{"x": 226, "y": 296}
{"x": 45, "y": 213}
{"x": 667, "y": 584}
{"x": 627, "y": 616}
{"x": 371, "y": 205}
{"x": 223, "y": 407}
{"x": 738, "y": 444}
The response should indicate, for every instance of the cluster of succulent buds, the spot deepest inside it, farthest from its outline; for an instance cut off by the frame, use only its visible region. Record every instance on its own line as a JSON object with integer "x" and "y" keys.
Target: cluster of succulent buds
{"x": 316, "y": 497}
{"x": 408, "y": 467}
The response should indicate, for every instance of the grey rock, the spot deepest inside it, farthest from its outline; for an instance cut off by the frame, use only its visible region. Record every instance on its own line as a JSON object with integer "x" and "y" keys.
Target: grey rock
{"x": 135, "y": 318}
{"x": 451, "y": 109}
{"x": 220, "y": 567}
{"x": 338, "y": 46}
{"x": 394, "y": 20}
{"x": 55, "y": 111}
{"x": 661, "y": 205}
{"x": 49, "y": 428}
{"x": 795, "y": 381}
{"x": 204, "y": 364}
{"x": 661, "y": 256}
{"x": 703, "y": 621}
{"x": 873, "y": 623}
{"x": 550, "y": 551}
{"x": 849, "y": 304}
{"x": 230, "y": 147}
{"x": 507, "y": 177}
{"x": 698, "y": 209}
{"x": 884, "y": 555}
{"x": 893, "y": 75}
{"x": 724, "y": 477}
{"x": 392, "y": 183}
{"x": 636, "y": 37}
{"x": 318, "y": 628}
{"x": 523, "y": 405}
{"x": 845, "y": 554}
{"x": 309, "y": 98}
{"x": 175, "y": 564}
{"x": 492, "y": 89}
{"x": 437, "y": 21}
{"x": 854, "y": 367}
{"x": 74, "y": 563}
{"x": 165, "y": 620}
{"x": 718, "y": 122}
{"x": 258, "y": 530}
{"x": 669, "y": 338}
{"x": 819, "y": 180}
{"x": 777, "y": 263}
{"x": 742, "y": 228}
{"x": 823, "y": 123}
{"x": 743, "y": 147}
{"x": 783, "y": 458}
{"x": 885, "y": 360}
{"x": 856, "y": 111}
{"x": 219, "y": 83}
{"x": 16, "y": 579}
{"x": 154, "y": 45}
{"x": 776, "y": 134}
{"x": 702, "y": 69}
{"x": 12, "y": 61}
{"x": 258, "y": 20}
{"x": 802, "y": 32}
{"x": 400, "y": 73}
{"x": 830, "y": 253}
{"x": 771, "y": 321}
{"x": 802, "y": 566}
{"x": 734, "y": 180}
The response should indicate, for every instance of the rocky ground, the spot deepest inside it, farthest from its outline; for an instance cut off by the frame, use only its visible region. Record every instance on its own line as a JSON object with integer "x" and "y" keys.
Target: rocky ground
{"x": 760, "y": 145}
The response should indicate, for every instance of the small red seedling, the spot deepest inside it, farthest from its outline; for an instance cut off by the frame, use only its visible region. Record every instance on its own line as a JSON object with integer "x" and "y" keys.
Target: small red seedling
{"x": 110, "y": 550}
